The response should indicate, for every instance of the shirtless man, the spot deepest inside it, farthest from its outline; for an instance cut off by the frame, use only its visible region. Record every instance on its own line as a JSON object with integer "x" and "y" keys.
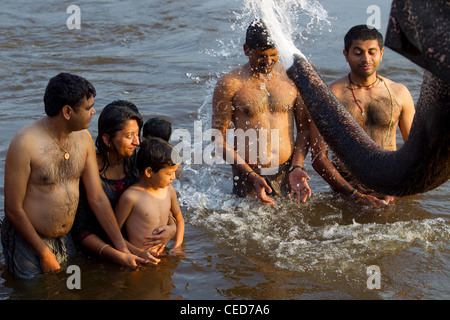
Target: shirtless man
{"x": 378, "y": 104}
{"x": 43, "y": 167}
{"x": 258, "y": 100}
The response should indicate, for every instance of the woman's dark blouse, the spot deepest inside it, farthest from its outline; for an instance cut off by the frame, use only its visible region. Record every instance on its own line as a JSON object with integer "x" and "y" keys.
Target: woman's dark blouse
{"x": 85, "y": 222}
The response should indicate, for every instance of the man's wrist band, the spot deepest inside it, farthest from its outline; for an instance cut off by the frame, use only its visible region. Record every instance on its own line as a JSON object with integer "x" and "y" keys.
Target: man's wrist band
{"x": 248, "y": 173}
{"x": 295, "y": 167}
{"x": 354, "y": 191}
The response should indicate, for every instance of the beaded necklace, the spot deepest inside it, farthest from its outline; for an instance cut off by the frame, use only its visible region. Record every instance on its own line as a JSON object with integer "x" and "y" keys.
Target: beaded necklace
{"x": 370, "y": 86}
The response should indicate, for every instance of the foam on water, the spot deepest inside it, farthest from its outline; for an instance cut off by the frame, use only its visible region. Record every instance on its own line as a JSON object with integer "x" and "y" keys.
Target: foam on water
{"x": 307, "y": 239}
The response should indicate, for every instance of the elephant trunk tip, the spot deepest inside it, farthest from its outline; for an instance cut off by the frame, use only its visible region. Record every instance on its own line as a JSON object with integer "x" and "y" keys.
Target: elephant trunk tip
{"x": 290, "y": 59}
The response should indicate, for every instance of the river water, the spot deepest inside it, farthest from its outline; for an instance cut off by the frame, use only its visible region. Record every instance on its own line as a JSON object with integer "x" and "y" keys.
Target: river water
{"x": 166, "y": 57}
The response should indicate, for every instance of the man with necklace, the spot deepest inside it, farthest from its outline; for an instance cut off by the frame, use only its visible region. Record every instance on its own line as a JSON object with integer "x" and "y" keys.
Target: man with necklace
{"x": 378, "y": 104}
{"x": 258, "y": 98}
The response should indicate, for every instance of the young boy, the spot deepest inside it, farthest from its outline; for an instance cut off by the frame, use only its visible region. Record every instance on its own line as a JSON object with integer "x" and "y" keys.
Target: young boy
{"x": 157, "y": 127}
{"x": 152, "y": 201}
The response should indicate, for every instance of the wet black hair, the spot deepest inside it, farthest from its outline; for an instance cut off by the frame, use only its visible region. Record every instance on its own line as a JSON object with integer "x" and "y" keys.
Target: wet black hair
{"x": 156, "y": 153}
{"x": 66, "y": 89}
{"x": 157, "y": 127}
{"x": 257, "y": 35}
{"x": 362, "y": 32}
{"x": 111, "y": 120}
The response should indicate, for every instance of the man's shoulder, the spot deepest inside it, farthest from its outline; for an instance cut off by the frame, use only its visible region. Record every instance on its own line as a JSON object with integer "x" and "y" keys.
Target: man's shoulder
{"x": 399, "y": 87}
{"x": 82, "y": 134}
{"x": 82, "y": 137}
{"x": 400, "y": 93}
{"x": 27, "y": 134}
{"x": 236, "y": 74}
{"x": 339, "y": 85}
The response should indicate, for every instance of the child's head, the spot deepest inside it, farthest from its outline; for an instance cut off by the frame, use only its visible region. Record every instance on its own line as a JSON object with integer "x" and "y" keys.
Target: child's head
{"x": 156, "y": 155}
{"x": 156, "y": 127}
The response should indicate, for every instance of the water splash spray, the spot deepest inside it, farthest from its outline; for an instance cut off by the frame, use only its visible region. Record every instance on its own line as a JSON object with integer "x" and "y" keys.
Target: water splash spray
{"x": 286, "y": 21}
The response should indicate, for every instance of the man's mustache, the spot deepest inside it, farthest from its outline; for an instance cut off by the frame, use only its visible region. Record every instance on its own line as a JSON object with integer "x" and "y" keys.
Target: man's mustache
{"x": 263, "y": 65}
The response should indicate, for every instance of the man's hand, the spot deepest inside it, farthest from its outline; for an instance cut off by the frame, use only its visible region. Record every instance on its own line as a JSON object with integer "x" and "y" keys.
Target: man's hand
{"x": 369, "y": 200}
{"x": 262, "y": 189}
{"x": 48, "y": 262}
{"x": 299, "y": 185}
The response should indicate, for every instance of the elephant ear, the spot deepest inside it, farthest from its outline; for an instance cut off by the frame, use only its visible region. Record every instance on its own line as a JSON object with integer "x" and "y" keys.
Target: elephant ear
{"x": 418, "y": 30}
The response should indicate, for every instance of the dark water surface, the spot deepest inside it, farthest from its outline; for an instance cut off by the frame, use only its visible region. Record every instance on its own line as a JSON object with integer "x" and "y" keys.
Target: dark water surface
{"x": 166, "y": 57}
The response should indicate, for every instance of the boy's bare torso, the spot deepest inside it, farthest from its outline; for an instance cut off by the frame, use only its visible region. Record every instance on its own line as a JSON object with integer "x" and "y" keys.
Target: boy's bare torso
{"x": 150, "y": 212}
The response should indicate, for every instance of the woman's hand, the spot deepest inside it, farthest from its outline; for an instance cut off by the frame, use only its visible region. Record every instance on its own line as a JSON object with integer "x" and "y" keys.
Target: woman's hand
{"x": 161, "y": 236}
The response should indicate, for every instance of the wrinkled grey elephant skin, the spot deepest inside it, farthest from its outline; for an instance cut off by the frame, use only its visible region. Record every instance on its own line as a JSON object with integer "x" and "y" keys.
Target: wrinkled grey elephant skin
{"x": 423, "y": 162}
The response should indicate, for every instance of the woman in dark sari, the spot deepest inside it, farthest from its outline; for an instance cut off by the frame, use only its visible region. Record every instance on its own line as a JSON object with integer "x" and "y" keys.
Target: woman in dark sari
{"x": 119, "y": 127}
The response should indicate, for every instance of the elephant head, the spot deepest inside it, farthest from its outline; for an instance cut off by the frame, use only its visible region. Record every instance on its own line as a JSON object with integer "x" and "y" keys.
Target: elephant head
{"x": 418, "y": 30}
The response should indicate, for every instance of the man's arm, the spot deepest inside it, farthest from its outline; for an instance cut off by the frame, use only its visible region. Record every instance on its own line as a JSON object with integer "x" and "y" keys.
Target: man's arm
{"x": 17, "y": 175}
{"x": 221, "y": 120}
{"x": 323, "y": 165}
{"x": 222, "y": 115}
{"x": 98, "y": 201}
{"x": 298, "y": 177}
{"x": 408, "y": 111}
{"x": 329, "y": 173}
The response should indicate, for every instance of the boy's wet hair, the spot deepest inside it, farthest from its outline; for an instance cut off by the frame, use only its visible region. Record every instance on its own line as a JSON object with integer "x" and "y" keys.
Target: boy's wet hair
{"x": 362, "y": 32}
{"x": 66, "y": 89}
{"x": 156, "y": 153}
{"x": 157, "y": 127}
{"x": 257, "y": 35}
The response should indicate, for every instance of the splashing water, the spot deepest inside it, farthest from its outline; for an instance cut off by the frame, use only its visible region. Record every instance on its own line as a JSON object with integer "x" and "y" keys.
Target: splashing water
{"x": 285, "y": 21}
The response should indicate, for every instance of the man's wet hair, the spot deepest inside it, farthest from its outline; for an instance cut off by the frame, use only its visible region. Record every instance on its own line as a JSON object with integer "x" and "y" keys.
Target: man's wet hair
{"x": 257, "y": 35}
{"x": 156, "y": 153}
{"x": 362, "y": 32}
{"x": 157, "y": 127}
{"x": 66, "y": 89}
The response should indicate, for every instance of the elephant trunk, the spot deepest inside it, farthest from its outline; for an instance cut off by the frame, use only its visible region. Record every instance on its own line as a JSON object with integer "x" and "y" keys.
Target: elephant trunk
{"x": 421, "y": 164}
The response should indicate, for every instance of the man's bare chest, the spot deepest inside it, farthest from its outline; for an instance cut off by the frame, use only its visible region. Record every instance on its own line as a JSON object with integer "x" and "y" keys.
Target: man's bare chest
{"x": 375, "y": 109}
{"x": 51, "y": 166}
{"x": 254, "y": 99}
